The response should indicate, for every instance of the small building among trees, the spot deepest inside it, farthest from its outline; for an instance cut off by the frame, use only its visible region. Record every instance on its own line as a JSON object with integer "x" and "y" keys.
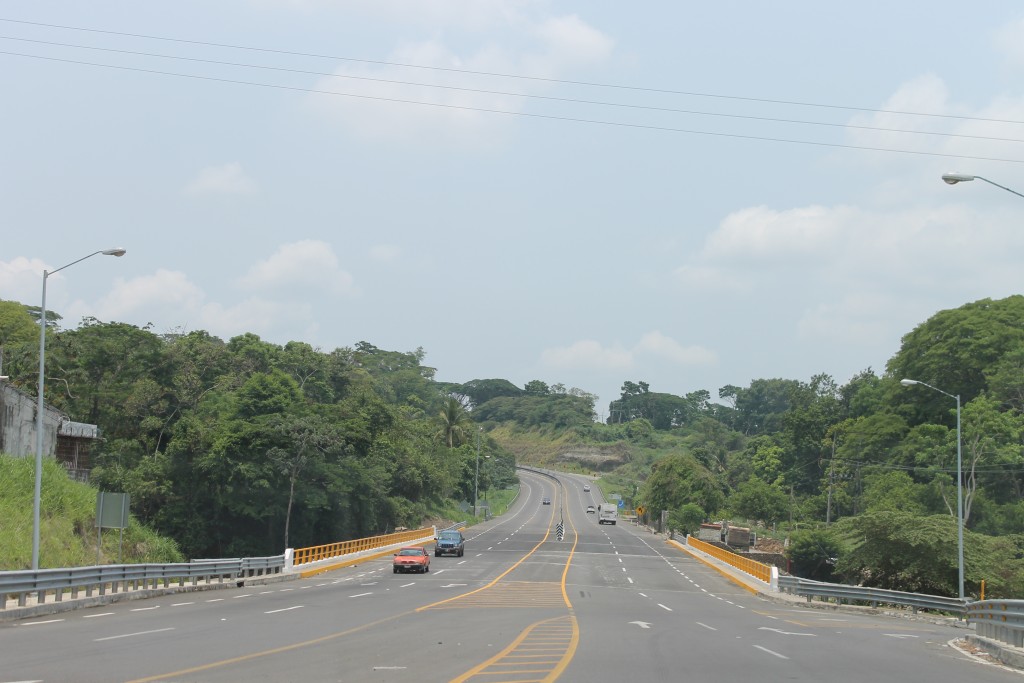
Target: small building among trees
{"x": 70, "y": 442}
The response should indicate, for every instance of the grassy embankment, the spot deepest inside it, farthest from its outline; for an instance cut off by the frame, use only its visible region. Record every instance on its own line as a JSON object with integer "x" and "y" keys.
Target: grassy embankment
{"x": 67, "y": 529}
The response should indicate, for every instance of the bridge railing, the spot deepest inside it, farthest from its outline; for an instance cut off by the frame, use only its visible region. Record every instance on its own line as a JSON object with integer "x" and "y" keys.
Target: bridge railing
{"x": 759, "y": 570}
{"x": 332, "y": 551}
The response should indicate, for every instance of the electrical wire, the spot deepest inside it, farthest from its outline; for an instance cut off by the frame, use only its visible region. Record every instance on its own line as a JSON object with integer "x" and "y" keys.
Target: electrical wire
{"x": 549, "y": 117}
{"x": 593, "y": 84}
{"x": 548, "y": 98}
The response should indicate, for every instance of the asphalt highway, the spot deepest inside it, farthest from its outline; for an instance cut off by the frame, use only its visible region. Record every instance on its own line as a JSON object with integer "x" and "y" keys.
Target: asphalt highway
{"x": 606, "y": 603}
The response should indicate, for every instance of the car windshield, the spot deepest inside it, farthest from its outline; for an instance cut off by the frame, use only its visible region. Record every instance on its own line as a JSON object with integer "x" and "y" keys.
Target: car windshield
{"x": 410, "y": 551}
{"x": 449, "y": 537}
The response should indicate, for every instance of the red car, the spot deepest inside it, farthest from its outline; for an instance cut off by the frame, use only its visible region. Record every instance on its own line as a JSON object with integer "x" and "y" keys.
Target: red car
{"x": 411, "y": 559}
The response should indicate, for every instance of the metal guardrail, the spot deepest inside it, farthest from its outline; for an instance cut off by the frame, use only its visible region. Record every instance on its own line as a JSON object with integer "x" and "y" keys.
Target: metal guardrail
{"x": 1001, "y": 620}
{"x": 872, "y": 596}
{"x": 52, "y": 584}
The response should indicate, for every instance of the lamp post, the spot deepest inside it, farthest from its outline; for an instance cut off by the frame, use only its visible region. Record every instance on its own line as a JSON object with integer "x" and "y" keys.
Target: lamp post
{"x": 476, "y": 479}
{"x": 959, "y": 481}
{"x": 954, "y": 178}
{"x": 39, "y": 402}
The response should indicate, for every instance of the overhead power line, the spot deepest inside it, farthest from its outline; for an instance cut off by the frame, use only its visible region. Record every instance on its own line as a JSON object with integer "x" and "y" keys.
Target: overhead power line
{"x": 481, "y": 91}
{"x": 593, "y": 84}
{"x": 548, "y": 117}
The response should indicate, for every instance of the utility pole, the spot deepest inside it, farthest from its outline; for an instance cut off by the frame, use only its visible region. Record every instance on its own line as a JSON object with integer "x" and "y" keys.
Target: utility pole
{"x": 831, "y": 476}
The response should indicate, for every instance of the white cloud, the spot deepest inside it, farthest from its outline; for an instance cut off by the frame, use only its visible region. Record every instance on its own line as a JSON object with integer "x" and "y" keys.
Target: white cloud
{"x": 385, "y": 253}
{"x": 841, "y": 276}
{"x": 514, "y": 42}
{"x": 588, "y": 354}
{"x": 1009, "y": 40}
{"x": 758, "y": 233}
{"x": 304, "y": 265}
{"x": 21, "y": 279}
{"x": 657, "y": 344}
{"x": 176, "y": 303}
{"x": 571, "y": 41}
{"x": 165, "y": 289}
{"x": 955, "y": 129}
{"x": 227, "y": 179}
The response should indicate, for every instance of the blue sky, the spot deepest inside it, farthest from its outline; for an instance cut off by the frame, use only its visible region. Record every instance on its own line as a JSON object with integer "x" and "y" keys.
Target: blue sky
{"x": 630, "y": 214}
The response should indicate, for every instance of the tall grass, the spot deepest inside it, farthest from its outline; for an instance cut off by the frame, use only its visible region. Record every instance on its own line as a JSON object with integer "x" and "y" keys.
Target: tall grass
{"x": 67, "y": 522}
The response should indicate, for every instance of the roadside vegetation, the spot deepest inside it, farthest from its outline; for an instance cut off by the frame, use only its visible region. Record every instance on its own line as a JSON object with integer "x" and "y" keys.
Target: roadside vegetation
{"x": 243, "y": 447}
{"x": 67, "y": 530}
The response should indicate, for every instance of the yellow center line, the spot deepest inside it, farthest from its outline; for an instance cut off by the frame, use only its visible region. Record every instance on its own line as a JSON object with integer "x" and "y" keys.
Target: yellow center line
{"x": 504, "y": 573}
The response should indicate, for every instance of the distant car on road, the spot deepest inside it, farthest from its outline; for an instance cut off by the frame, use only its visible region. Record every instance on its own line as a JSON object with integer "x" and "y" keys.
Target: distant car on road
{"x": 450, "y": 542}
{"x": 412, "y": 559}
{"x": 586, "y": 488}
{"x": 546, "y": 501}
{"x": 591, "y": 509}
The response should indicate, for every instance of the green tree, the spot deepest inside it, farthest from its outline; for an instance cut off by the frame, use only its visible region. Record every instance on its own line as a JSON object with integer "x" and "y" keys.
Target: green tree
{"x": 267, "y": 394}
{"x": 899, "y": 550}
{"x": 758, "y": 500}
{"x": 16, "y": 325}
{"x": 93, "y": 370}
{"x": 537, "y": 387}
{"x": 454, "y": 423}
{"x": 814, "y": 554}
{"x": 893, "y": 491}
{"x": 679, "y": 479}
{"x": 686, "y": 519}
{"x": 480, "y": 391}
{"x": 953, "y": 350}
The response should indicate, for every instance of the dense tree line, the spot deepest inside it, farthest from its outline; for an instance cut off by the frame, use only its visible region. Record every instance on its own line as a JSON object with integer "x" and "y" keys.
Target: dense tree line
{"x": 246, "y": 447}
{"x": 874, "y": 460}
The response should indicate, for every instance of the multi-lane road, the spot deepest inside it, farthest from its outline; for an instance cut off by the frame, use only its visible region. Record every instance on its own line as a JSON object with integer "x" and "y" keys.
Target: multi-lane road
{"x": 606, "y": 603}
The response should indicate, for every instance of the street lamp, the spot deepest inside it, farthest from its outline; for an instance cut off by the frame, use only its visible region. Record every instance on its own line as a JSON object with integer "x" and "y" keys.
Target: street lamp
{"x": 476, "y": 479}
{"x": 954, "y": 178}
{"x": 959, "y": 480}
{"x": 39, "y": 402}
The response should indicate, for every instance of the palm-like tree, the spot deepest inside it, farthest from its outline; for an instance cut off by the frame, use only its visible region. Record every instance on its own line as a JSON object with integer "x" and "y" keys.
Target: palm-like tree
{"x": 454, "y": 422}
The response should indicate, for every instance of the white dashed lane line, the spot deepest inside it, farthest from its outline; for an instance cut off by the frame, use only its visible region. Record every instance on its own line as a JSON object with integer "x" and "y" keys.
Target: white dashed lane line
{"x": 131, "y": 635}
{"x": 771, "y": 652}
{"x": 283, "y": 609}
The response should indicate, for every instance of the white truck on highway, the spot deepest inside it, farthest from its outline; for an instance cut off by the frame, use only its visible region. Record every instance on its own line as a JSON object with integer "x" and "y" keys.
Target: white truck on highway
{"x": 607, "y": 513}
